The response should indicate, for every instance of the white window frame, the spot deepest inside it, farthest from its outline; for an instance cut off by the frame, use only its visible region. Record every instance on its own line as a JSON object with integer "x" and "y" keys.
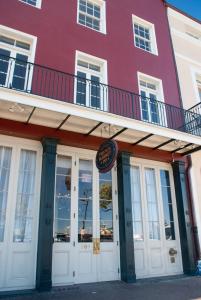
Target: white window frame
{"x": 103, "y": 75}
{"x": 151, "y": 28}
{"x": 102, "y": 4}
{"x": 160, "y": 94}
{"x": 38, "y": 3}
{"x": 24, "y": 37}
{"x": 195, "y": 74}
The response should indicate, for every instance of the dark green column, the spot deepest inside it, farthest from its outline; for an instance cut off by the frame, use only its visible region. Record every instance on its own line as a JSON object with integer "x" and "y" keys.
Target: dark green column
{"x": 45, "y": 233}
{"x": 185, "y": 226}
{"x": 125, "y": 219}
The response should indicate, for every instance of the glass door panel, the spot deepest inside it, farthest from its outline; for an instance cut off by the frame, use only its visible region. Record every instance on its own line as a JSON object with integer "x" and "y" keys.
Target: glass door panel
{"x": 85, "y": 201}
{"x": 152, "y": 204}
{"x": 167, "y": 205}
{"x": 25, "y": 197}
{"x": 19, "y": 73}
{"x": 136, "y": 203}
{"x": 63, "y": 200}
{"x": 81, "y": 88}
{"x": 95, "y": 92}
{"x": 5, "y": 161}
{"x": 106, "y": 207}
{"x": 4, "y": 66}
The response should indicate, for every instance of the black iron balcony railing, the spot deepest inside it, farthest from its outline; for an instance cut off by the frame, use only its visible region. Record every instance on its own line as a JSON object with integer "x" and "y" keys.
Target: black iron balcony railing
{"x": 46, "y": 82}
{"x": 196, "y": 109}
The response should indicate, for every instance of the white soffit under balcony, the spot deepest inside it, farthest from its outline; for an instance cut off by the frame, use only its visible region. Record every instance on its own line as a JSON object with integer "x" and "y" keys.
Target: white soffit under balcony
{"x": 69, "y": 117}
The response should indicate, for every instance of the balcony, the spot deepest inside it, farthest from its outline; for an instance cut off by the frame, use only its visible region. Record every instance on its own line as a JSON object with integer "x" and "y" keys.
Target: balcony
{"x": 32, "y": 79}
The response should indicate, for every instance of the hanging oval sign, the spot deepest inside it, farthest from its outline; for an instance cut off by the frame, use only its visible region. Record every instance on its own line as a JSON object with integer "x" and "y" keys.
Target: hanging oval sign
{"x": 106, "y": 156}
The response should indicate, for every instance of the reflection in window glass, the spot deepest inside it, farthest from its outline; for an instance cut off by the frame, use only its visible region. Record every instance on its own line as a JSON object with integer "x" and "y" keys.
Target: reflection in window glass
{"x": 152, "y": 205}
{"x": 5, "y": 159}
{"x": 25, "y": 197}
{"x": 106, "y": 207}
{"x": 167, "y": 205}
{"x": 62, "y": 200}
{"x": 136, "y": 203}
{"x": 85, "y": 201}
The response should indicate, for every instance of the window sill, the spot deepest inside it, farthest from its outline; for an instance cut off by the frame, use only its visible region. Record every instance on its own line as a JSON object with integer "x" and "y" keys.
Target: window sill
{"x": 102, "y": 32}
{"x": 150, "y": 52}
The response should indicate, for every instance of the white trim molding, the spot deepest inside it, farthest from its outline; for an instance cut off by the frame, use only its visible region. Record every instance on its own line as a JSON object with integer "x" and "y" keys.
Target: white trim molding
{"x": 102, "y": 19}
{"x": 152, "y": 33}
{"x": 22, "y": 36}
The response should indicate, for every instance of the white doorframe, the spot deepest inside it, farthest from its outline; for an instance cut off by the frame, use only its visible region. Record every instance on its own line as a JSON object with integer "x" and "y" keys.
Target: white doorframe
{"x": 12, "y": 277}
{"x": 143, "y": 248}
{"x": 75, "y": 247}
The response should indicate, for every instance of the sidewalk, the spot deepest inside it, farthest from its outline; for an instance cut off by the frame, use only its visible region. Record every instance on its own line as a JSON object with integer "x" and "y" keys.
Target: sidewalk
{"x": 185, "y": 288}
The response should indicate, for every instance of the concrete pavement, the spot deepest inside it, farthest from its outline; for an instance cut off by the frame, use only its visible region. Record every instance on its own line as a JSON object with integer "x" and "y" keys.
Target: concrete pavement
{"x": 182, "y": 288}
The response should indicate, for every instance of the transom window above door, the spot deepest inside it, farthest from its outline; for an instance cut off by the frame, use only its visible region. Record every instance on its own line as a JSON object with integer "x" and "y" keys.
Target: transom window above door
{"x": 91, "y": 13}
{"x": 152, "y": 108}
{"x": 90, "y": 90}
{"x": 144, "y": 35}
{"x": 36, "y": 3}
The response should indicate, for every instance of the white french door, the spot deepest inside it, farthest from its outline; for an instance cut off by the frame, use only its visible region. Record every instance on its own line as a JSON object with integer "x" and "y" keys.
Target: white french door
{"x": 156, "y": 236}
{"x": 85, "y": 228}
{"x": 20, "y": 163}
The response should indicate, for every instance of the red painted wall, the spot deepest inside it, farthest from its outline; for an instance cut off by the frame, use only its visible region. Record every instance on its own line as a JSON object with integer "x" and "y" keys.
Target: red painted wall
{"x": 59, "y": 36}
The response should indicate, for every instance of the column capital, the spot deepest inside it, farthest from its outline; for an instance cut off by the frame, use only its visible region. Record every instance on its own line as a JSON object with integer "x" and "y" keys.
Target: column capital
{"x": 49, "y": 145}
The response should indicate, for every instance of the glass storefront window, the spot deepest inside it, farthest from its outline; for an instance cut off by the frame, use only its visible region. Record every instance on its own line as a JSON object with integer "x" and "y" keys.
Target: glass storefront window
{"x": 167, "y": 205}
{"x": 62, "y": 200}
{"x": 25, "y": 197}
{"x": 106, "y": 207}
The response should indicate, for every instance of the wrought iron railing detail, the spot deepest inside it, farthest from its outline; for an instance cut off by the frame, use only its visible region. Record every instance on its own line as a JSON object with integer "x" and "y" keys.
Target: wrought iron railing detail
{"x": 46, "y": 82}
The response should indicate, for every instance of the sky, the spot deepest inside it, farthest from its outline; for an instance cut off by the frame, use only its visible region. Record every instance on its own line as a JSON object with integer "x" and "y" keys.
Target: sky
{"x": 192, "y": 7}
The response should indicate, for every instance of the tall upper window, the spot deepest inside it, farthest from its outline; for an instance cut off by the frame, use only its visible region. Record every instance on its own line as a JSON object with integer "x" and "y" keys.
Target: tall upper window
{"x": 90, "y": 72}
{"x": 152, "y": 110}
{"x": 144, "y": 35}
{"x": 36, "y": 3}
{"x": 199, "y": 87}
{"x": 91, "y": 13}
{"x": 15, "y": 52}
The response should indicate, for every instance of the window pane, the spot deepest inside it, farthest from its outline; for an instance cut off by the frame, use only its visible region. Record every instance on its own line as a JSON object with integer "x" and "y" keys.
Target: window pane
{"x": 142, "y": 37}
{"x": 85, "y": 201}
{"x": 22, "y": 45}
{"x": 106, "y": 207}
{"x": 5, "y": 160}
{"x": 144, "y": 106}
{"x": 152, "y": 204}
{"x": 81, "y": 88}
{"x": 167, "y": 205}
{"x": 63, "y": 200}
{"x": 95, "y": 91}
{"x": 4, "y": 63}
{"x": 154, "y": 108}
{"x": 136, "y": 203}
{"x": 32, "y": 2}
{"x": 25, "y": 197}
{"x": 19, "y": 74}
